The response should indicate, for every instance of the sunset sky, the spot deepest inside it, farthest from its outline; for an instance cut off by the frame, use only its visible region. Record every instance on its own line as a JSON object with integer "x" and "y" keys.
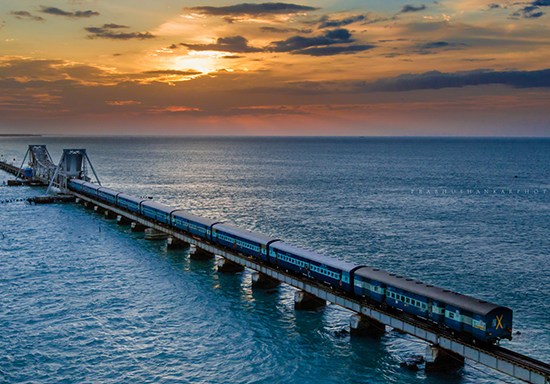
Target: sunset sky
{"x": 384, "y": 68}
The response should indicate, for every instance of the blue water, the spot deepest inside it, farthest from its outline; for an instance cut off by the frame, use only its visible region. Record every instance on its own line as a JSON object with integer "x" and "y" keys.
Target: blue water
{"x": 83, "y": 300}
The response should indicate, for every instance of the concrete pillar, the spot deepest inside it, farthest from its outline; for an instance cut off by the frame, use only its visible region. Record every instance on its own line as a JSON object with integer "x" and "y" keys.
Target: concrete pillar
{"x": 173, "y": 243}
{"x": 110, "y": 215}
{"x": 228, "y": 266}
{"x": 442, "y": 360}
{"x": 153, "y": 234}
{"x": 137, "y": 227}
{"x": 77, "y": 200}
{"x": 263, "y": 281}
{"x": 361, "y": 326}
{"x": 304, "y": 301}
{"x": 88, "y": 205}
{"x": 196, "y": 253}
{"x": 99, "y": 209}
{"x": 121, "y": 220}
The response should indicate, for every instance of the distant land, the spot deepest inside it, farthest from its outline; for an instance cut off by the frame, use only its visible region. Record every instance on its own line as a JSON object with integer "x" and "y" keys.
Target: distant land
{"x": 18, "y": 135}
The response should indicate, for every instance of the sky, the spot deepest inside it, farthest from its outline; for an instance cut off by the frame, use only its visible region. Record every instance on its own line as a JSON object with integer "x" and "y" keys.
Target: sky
{"x": 323, "y": 68}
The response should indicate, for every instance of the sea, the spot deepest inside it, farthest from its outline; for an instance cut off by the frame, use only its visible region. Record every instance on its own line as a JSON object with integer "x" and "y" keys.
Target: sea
{"x": 83, "y": 300}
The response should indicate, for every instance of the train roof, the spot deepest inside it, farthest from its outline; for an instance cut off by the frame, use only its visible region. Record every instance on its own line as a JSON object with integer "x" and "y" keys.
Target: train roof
{"x": 195, "y": 218}
{"x": 131, "y": 198}
{"x": 320, "y": 258}
{"x": 244, "y": 233}
{"x": 91, "y": 185}
{"x": 458, "y": 300}
{"x": 158, "y": 206}
{"x": 108, "y": 190}
{"x": 77, "y": 181}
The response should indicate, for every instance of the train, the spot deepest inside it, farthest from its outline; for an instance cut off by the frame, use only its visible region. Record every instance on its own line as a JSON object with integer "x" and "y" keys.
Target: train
{"x": 467, "y": 317}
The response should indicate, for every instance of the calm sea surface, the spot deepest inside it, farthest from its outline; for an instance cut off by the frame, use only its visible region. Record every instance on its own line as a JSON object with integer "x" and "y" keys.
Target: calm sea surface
{"x": 83, "y": 300}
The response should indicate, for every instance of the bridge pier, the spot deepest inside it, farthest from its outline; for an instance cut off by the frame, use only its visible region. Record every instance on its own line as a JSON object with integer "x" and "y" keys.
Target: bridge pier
{"x": 121, "y": 220}
{"x": 442, "y": 360}
{"x": 263, "y": 281}
{"x": 304, "y": 301}
{"x": 173, "y": 243}
{"x": 137, "y": 227}
{"x": 197, "y": 253}
{"x": 110, "y": 215}
{"x": 228, "y": 266}
{"x": 153, "y": 234}
{"x": 362, "y": 326}
{"x": 88, "y": 205}
{"x": 99, "y": 209}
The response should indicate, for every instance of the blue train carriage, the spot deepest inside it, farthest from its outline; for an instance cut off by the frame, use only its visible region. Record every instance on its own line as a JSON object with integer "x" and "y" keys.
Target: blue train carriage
{"x": 244, "y": 241}
{"x": 75, "y": 185}
{"x": 334, "y": 271}
{"x": 195, "y": 225}
{"x": 464, "y": 314}
{"x": 107, "y": 195}
{"x": 485, "y": 321}
{"x": 90, "y": 189}
{"x": 129, "y": 202}
{"x": 156, "y": 211}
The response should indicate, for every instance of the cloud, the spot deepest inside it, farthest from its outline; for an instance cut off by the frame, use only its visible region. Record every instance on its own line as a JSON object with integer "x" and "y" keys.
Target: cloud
{"x": 58, "y": 12}
{"x": 326, "y": 22}
{"x": 438, "y": 80}
{"x": 528, "y": 12}
{"x": 235, "y": 44}
{"x": 106, "y": 32}
{"x": 412, "y": 8}
{"x": 247, "y": 9}
{"x": 337, "y": 36}
{"x": 284, "y": 30}
{"x": 26, "y": 15}
{"x": 331, "y": 51}
{"x": 174, "y": 72}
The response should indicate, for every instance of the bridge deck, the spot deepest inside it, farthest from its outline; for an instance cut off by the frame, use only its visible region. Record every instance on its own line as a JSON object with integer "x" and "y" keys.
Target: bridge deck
{"x": 503, "y": 360}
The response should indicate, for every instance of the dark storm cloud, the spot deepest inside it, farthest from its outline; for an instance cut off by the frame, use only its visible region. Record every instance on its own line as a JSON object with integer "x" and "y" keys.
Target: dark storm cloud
{"x": 331, "y": 51}
{"x": 106, "y": 32}
{"x": 326, "y": 22}
{"x": 26, "y": 15}
{"x": 337, "y": 36}
{"x": 412, "y": 8}
{"x": 247, "y": 9}
{"x": 284, "y": 30}
{"x": 236, "y": 44}
{"x": 58, "y": 12}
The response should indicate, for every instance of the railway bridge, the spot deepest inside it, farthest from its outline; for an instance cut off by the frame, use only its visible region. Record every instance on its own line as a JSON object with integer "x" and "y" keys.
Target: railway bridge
{"x": 367, "y": 318}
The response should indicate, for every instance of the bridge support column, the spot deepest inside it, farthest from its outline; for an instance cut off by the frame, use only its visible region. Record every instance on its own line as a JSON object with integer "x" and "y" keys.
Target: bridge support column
{"x": 197, "y": 253}
{"x": 121, "y": 220}
{"x": 99, "y": 209}
{"x": 137, "y": 227}
{"x": 304, "y": 301}
{"x": 442, "y": 360}
{"x": 88, "y": 205}
{"x": 153, "y": 234}
{"x": 228, "y": 266}
{"x": 263, "y": 281}
{"x": 110, "y": 215}
{"x": 173, "y": 243}
{"x": 361, "y": 326}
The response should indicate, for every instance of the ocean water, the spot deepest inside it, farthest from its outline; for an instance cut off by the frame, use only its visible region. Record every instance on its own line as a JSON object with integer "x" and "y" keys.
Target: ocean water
{"x": 83, "y": 300}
